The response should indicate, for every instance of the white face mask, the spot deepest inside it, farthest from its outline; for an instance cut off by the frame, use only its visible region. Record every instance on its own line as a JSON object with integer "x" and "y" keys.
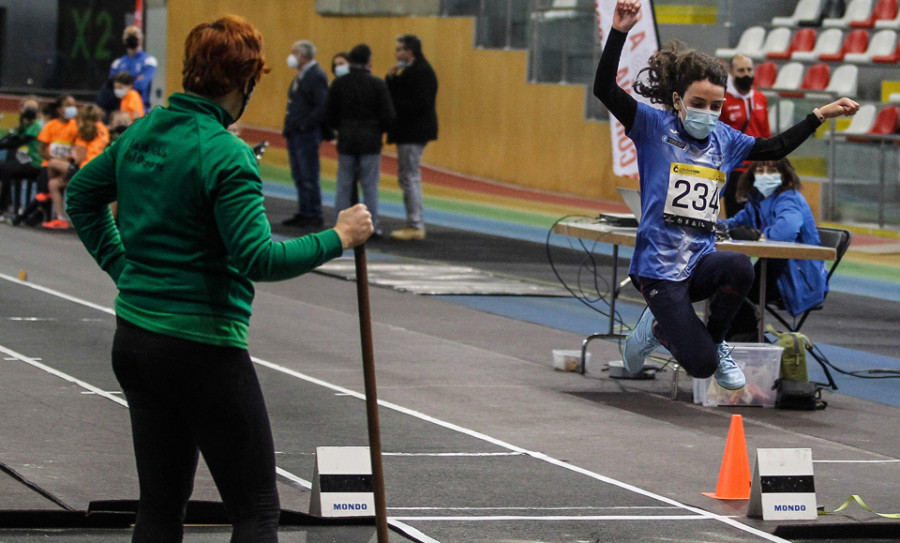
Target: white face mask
{"x": 70, "y": 112}
{"x": 341, "y": 69}
{"x": 293, "y": 61}
{"x": 401, "y": 64}
{"x": 766, "y": 183}
{"x": 120, "y": 93}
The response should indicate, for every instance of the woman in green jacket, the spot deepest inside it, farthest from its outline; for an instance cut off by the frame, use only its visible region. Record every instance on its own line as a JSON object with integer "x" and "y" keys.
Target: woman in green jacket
{"x": 192, "y": 237}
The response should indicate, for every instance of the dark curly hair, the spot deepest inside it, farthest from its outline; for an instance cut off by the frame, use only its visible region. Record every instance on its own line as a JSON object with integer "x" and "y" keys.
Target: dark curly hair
{"x": 675, "y": 68}
{"x": 789, "y": 178}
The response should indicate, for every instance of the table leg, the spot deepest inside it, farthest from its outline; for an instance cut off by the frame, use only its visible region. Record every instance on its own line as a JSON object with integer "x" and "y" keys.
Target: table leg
{"x": 613, "y": 294}
{"x": 762, "y": 300}
{"x": 614, "y": 289}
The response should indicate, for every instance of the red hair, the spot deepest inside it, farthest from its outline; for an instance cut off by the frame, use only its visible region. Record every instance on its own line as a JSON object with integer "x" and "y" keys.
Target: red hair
{"x": 222, "y": 56}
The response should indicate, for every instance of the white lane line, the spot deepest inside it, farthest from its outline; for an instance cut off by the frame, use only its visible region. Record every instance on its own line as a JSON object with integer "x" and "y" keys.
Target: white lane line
{"x": 890, "y": 461}
{"x": 422, "y": 416}
{"x": 555, "y": 518}
{"x": 451, "y": 454}
{"x": 58, "y": 294}
{"x": 293, "y": 478}
{"x": 411, "y": 532}
{"x": 573, "y": 508}
{"x": 64, "y": 376}
{"x": 397, "y": 524}
{"x": 520, "y": 450}
{"x": 400, "y": 526}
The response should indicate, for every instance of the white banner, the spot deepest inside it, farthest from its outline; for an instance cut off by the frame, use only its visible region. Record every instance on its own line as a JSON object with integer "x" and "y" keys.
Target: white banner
{"x": 640, "y": 45}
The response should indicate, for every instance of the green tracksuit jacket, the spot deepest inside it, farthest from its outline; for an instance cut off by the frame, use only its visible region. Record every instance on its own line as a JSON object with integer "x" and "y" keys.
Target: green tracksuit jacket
{"x": 192, "y": 231}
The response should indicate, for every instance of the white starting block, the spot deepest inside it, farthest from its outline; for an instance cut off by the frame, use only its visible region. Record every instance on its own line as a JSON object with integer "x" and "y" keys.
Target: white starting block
{"x": 342, "y": 483}
{"x": 782, "y": 487}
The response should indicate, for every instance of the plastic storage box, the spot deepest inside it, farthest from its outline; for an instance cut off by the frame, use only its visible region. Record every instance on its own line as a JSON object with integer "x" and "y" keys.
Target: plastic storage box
{"x": 570, "y": 360}
{"x": 761, "y": 364}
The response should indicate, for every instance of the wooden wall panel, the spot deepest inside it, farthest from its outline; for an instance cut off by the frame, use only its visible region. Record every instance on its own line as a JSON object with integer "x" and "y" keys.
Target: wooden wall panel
{"x": 493, "y": 123}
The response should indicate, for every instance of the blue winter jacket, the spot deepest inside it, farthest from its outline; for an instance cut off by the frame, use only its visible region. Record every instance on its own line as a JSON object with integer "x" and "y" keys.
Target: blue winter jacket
{"x": 786, "y": 217}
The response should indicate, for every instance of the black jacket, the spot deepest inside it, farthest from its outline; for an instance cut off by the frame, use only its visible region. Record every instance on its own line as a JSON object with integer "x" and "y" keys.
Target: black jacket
{"x": 359, "y": 108}
{"x": 413, "y": 92}
{"x": 306, "y": 102}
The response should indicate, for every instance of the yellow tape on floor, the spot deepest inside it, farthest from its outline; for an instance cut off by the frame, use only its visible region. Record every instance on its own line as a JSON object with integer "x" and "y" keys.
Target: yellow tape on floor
{"x": 857, "y": 499}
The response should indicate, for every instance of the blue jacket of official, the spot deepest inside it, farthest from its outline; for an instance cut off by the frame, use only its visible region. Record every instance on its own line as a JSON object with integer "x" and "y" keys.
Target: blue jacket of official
{"x": 786, "y": 216}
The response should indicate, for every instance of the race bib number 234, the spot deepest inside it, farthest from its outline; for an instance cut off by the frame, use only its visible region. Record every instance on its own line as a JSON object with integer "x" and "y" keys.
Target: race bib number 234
{"x": 692, "y": 199}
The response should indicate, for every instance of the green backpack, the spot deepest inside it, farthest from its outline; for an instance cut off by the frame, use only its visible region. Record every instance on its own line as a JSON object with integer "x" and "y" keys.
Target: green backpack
{"x": 793, "y": 388}
{"x": 793, "y": 358}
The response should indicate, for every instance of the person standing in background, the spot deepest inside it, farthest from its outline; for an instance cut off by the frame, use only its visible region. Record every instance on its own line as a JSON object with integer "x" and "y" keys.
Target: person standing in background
{"x": 413, "y": 86}
{"x": 303, "y": 132}
{"x": 135, "y": 61}
{"x": 746, "y": 109}
{"x": 340, "y": 64}
{"x": 359, "y": 109}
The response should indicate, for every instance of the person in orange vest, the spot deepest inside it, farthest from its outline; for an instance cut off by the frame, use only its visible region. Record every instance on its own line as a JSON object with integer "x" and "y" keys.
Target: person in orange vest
{"x": 129, "y": 99}
{"x": 90, "y": 140}
{"x": 56, "y": 138}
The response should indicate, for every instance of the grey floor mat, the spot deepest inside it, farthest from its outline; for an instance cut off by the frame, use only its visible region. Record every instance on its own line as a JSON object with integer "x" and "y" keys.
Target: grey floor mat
{"x": 439, "y": 279}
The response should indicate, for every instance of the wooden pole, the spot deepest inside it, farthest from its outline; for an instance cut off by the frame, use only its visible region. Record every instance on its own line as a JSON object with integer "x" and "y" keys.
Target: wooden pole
{"x": 368, "y": 353}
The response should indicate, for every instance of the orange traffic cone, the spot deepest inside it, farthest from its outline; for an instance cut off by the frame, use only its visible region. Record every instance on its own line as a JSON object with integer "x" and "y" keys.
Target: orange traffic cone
{"x": 734, "y": 476}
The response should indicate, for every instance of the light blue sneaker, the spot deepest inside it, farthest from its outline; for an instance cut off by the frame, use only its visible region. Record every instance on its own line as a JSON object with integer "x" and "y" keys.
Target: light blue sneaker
{"x": 728, "y": 374}
{"x": 639, "y": 343}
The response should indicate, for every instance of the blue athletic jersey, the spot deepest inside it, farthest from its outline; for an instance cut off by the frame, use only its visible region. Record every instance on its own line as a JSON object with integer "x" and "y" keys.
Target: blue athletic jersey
{"x": 680, "y": 185}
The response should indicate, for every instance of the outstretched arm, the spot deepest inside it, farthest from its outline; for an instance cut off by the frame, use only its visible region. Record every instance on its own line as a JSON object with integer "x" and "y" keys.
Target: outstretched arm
{"x": 783, "y": 144}
{"x": 616, "y": 100}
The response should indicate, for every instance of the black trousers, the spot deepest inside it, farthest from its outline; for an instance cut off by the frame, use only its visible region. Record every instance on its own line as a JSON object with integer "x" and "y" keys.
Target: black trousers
{"x": 722, "y": 277}
{"x": 12, "y": 172}
{"x": 187, "y": 398}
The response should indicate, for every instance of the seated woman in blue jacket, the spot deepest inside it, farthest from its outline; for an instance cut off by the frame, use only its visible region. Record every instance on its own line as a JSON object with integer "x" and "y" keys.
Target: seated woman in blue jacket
{"x": 776, "y": 209}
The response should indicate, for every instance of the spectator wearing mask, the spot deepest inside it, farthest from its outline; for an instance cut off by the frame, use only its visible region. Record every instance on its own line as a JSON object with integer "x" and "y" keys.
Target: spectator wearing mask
{"x": 747, "y": 110}
{"x": 56, "y": 140}
{"x": 129, "y": 99}
{"x": 413, "y": 87}
{"x": 23, "y": 156}
{"x": 91, "y": 140}
{"x": 118, "y": 122}
{"x": 776, "y": 211}
{"x": 135, "y": 61}
{"x": 303, "y": 132}
{"x": 359, "y": 109}
{"x": 340, "y": 64}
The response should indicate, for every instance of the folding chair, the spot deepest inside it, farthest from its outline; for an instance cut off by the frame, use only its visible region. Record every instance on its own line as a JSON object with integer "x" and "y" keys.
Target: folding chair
{"x": 839, "y": 239}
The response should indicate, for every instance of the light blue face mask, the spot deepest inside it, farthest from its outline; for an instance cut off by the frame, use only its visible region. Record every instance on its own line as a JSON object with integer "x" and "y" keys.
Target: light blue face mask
{"x": 70, "y": 112}
{"x": 699, "y": 122}
{"x": 766, "y": 183}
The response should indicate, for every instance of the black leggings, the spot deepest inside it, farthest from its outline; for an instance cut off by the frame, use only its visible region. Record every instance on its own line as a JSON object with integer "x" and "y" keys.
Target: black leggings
{"x": 187, "y": 398}
{"x": 722, "y": 277}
